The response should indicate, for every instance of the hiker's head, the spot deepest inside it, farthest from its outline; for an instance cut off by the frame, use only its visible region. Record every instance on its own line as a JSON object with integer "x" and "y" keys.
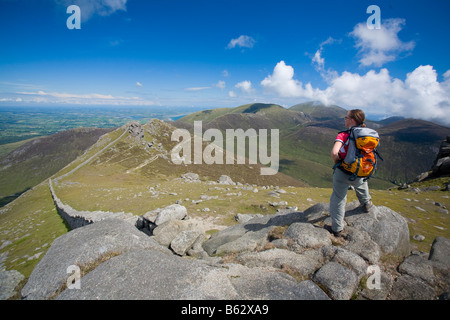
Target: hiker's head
{"x": 355, "y": 117}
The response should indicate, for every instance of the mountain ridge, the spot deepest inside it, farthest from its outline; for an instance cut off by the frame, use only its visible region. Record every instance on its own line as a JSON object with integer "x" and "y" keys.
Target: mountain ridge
{"x": 38, "y": 159}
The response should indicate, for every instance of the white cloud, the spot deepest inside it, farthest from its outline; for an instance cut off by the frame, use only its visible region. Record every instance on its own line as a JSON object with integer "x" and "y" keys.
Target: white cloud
{"x": 220, "y": 84}
{"x": 231, "y": 94}
{"x": 378, "y": 46}
{"x": 243, "y": 41}
{"x": 71, "y": 98}
{"x": 245, "y": 86}
{"x": 318, "y": 61}
{"x": 282, "y": 83}
{"x": 197, "y": 88}
{"x": 138, "y": 84}
{"x": 420, "y": 95}
{"x": 225, "y": 73}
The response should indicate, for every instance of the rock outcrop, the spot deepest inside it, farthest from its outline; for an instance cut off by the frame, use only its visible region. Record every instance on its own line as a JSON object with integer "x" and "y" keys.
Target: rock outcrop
{"x": 281, "y": 256}
{"x": 441, "y": 165}
{"x": 84, "y": 247}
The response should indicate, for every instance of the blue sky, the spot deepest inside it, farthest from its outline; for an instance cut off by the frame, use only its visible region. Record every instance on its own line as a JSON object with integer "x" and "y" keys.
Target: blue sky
{"x": 224, "y": 53}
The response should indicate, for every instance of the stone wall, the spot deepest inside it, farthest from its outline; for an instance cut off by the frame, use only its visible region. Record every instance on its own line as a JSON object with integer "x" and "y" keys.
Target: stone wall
{"x": 76, "y": 218}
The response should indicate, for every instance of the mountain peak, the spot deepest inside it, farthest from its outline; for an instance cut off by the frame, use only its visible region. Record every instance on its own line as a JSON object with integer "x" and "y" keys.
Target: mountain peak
{"x": 257, "y": 107}
{"x": 319, "y": 111}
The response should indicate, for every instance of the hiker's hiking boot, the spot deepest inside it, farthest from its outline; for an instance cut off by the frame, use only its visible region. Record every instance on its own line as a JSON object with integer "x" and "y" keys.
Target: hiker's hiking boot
{"x": 367, "y": 206}
{"x": 339, "y": 234}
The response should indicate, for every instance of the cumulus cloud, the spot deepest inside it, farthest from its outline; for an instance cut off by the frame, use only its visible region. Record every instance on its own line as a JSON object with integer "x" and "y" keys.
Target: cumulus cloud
{"x": 245, "y": 86}
{"x": 243, "y": 41}
{"x": 420, "y": 95}
{"x": 282, "y": 83}
{"x": 379, "y": 46}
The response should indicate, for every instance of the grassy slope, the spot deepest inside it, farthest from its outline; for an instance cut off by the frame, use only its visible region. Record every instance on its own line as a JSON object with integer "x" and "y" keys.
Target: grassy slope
{"x": 40, "y": 158}
{"x": 28, "y": 226}
{"x": 318, "y": 111}
{"x": 9, "y": 147}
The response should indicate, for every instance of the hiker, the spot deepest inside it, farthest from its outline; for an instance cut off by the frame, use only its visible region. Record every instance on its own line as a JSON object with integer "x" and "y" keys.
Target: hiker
{"x": 342, "y": 179}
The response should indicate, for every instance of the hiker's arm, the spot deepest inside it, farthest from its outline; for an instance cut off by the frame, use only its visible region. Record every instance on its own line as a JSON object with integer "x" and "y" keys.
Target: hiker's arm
{"x": 335, "y": 151}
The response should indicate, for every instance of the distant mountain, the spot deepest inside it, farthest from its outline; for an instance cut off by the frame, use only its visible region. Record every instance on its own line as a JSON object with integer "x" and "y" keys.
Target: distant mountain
{"x": 390, "y": 120}
{"x": 319, "y": 111}
{"x": 40, "y": 158}
{"x": 255, "y": 115}
{"x": 307, "y": 133}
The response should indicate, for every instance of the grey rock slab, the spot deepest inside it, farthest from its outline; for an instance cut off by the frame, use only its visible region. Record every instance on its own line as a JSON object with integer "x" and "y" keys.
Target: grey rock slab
{"x": 275, "y": 286}
{"x": 184, "y": 241}
{"x": 374, "y": 292}
{"x": 224, "y": 179}
{"x": 243, "y": 218}
{"x": 308, "y": 236}
{"x": 316, "y": 213}
{"x": 340, "y": 281}
{"x": 247, "y": 242}
{"x": 9, "y": 279}
{"x": 386, "y": 227}
{"x": 172, "y": 212}
{"x": 351, "y": 260}
{"x": 440, "y": 251}
{"x": 407, "y": 287}
{"x": 440, "y": 258}
{"x": 150, "y": 274}
{"x": 166, "y": 232}
{"x": 82, "y": 247}
{"x": 304, "y": 264}
{"x": 256, "y": 225}
{"x": 419, "y": 267}
{"x": 360, "y": 242}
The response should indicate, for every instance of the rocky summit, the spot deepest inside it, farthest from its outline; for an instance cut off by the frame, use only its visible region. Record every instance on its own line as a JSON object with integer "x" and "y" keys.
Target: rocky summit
{"x": 286, "y": 256}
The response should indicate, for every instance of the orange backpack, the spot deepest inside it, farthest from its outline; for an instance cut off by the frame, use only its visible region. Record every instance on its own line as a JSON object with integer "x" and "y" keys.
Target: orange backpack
{"x": 362, "y": 154}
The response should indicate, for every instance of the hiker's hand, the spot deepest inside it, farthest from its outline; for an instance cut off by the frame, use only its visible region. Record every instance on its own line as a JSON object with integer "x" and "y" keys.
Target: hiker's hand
{"x": 335, "y": 151}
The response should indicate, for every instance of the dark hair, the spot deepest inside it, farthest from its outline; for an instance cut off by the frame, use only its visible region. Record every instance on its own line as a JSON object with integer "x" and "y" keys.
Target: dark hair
{"x": 359, "y": 116}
